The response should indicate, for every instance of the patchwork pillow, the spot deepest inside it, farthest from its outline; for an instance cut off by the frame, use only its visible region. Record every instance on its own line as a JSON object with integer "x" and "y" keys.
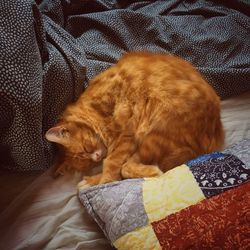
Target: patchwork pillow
{"x": 204, "y": 203}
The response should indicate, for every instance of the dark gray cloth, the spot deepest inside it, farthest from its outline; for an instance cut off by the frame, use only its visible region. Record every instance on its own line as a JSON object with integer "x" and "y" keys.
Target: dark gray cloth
{"x": 50, "y": 49}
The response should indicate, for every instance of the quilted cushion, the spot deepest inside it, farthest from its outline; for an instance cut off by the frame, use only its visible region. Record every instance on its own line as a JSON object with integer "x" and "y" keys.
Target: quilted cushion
{"x": 201, "y": 204}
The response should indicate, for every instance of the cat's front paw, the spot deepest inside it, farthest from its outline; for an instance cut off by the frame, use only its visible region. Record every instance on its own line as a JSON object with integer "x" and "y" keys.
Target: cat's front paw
{"x": 108, "y": 179}
{"x": 89, "y": 181}
{"x": 83, "y": 184}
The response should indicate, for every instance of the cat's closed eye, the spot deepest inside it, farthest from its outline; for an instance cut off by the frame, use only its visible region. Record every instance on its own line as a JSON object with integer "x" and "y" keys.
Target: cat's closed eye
{"x": 88, "y": 149}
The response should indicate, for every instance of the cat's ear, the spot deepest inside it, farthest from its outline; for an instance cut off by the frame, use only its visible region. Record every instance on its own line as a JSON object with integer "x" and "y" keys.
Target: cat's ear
{"x": 58, "y": 134}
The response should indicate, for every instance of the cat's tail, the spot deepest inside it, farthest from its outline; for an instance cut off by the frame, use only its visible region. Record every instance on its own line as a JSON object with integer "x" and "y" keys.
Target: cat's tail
{"x": 215, "y": 138}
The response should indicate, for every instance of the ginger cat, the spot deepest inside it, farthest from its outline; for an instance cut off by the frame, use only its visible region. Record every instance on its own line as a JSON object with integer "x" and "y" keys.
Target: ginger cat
{"x": 143, "y": 116}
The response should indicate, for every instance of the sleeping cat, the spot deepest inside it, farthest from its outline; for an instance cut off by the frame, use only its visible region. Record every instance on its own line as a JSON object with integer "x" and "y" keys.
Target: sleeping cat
{"x": 143, "y": 116}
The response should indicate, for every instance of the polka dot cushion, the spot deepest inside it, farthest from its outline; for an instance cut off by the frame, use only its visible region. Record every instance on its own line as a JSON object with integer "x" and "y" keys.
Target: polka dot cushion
{"x": 50, "y": 50}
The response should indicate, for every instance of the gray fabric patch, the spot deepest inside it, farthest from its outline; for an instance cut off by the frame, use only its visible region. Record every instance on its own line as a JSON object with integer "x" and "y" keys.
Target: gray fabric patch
{"x": 117, "y": 207}
{"x": 242, "y": 151}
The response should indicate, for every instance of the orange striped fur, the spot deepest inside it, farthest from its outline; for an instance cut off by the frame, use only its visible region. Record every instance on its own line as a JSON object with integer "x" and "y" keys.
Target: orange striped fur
{"x": 143, "y": 116}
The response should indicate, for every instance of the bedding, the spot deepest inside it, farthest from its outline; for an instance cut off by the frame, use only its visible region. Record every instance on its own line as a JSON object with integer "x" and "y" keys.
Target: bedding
{"x": 51, "y": 48}
{"x": 184, "y": 208}
{"x": 48, "y": 215}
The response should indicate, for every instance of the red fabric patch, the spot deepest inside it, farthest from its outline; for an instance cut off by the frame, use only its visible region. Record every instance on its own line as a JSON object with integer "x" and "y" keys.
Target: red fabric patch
{"x": 221, "y": 222}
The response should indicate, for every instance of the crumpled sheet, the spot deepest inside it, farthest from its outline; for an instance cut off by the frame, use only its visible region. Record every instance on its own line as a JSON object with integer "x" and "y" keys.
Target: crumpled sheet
{"x": 50, "y": 50}
{"x": 47, "y": 215}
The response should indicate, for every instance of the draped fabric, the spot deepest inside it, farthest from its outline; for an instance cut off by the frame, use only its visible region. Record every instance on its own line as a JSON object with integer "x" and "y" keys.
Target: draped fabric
{"x": 49, "y": 50}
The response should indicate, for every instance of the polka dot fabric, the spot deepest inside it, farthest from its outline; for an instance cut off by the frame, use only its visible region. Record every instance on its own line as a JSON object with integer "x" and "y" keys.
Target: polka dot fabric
{"x": 42, "y": 69}
{"x": 213, "y": 36}
{"x": 50, "y": 49}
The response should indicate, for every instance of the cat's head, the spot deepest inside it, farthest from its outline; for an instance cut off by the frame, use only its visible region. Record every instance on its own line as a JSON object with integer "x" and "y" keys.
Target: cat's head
{"x": 79, "y": 142}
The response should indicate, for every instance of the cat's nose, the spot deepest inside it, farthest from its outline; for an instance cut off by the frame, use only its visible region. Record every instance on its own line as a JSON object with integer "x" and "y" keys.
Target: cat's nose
{"x": 98, "y": 155}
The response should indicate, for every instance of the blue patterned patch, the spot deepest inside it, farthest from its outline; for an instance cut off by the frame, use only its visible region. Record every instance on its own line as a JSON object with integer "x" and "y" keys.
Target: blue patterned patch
{"x": 218, "y": 173}
{"x": 203, "y": 158}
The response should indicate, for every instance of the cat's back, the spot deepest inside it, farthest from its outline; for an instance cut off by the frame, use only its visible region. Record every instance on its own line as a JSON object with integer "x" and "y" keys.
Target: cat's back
{"x": 146, "y": 72}
{"x": 156, "y": 65}
{"x": 163, "y": 76}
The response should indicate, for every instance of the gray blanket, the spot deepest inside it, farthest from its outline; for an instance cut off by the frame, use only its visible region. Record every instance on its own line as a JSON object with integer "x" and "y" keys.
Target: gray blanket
{"x": 49, "y": 49}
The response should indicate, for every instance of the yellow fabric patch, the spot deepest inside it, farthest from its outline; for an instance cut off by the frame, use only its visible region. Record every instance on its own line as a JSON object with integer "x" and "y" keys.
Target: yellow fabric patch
{"x": 142, "y": 238}
{"x": 171, "y": 192}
